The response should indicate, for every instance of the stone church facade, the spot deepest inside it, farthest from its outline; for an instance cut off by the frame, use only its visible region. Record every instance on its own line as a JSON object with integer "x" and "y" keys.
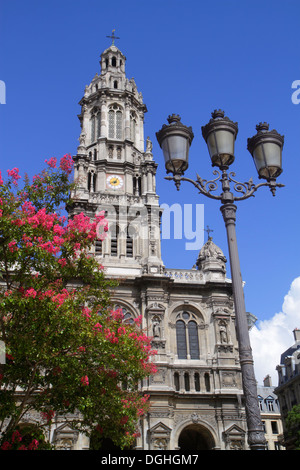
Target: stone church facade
{"x": 196, "y": 395}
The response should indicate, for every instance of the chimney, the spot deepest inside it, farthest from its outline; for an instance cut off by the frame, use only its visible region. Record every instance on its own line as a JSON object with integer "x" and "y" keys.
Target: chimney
{"x": 268, "y": 381}
{"x": 296, "y": 332}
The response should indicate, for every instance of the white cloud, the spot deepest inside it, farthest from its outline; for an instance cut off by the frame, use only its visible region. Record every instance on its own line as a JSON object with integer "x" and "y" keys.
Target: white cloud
{"x": 270, "y": 338}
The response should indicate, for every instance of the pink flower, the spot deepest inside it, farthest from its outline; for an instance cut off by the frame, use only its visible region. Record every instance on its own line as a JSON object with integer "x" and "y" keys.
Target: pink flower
{"x": 28, "y": 208}
{"x": 6, "y": 446}
{"x": 51, "y": 162}
{"x": 84, "y": 380}
{"x": 117, "y": 314}
{"x": 14, "y": 173}
{"x": 98, "y": 326}
{"x": 12, "y": 246}
{"x": 124, "y": 420}
{"x": 58, "y": 230}
{"x": 1, "y": 180}
{"x": 86, "y": 312}
{"x": 16, "y": 436}
{"x": 138, "y": 320}
{"x": 48, "y": 415}
{"x": 31, "y": 293}
{"x": 66, "y": 163}
{"x": 33, "y": 445}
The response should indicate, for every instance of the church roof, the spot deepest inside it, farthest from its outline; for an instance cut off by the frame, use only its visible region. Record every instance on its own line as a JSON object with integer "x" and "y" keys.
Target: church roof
{"x": 211, "y": 250}
{"x": 113, "y": 49}
{"x": 211, "y": 257}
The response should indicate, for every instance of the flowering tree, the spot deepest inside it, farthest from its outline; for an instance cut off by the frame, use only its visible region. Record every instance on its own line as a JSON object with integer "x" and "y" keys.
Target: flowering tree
{"x": 68, "y": 355}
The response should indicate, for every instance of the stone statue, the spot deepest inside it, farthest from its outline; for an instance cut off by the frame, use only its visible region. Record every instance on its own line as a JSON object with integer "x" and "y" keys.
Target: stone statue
{"x": 156, "y": 329}
{"x": 149, "y": 145}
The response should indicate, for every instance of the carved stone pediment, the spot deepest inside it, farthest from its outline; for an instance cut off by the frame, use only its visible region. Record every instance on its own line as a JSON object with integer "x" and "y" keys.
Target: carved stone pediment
{"x": 155, "y": 307}
{"x": 234, "y": 438}
{"x": 65, "y": 437}
{"x": 159, "y": 437}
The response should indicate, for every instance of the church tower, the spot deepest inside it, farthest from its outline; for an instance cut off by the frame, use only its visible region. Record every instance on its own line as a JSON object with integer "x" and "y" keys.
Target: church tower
{"x": 196, "y": 395}
{"x": 115, "y": 170}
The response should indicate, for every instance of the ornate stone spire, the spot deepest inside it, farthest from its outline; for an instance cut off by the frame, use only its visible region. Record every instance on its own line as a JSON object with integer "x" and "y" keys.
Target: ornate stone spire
{"x": 211, "y": 258}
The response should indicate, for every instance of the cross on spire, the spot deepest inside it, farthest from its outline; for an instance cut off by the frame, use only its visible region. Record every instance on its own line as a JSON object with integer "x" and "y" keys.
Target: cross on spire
{"x": 113, "y": 37}
{"x": 208, "y": 230}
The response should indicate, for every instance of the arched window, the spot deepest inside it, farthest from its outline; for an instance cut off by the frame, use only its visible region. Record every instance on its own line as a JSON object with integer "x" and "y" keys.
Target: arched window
{"x": 193, "y": 339}
{"x": 187, "y": 336}
{"x": 181, "y": 340}
{"x": 115, "y": 84}
{"x": 114, "y": 61}
{"x": 115, "y": 120}
{"x": 99, "y": 124}
{"x": 93, "y": 134}
{"x": 132, "y": 126}
{"x": 127, "y": 315}
{"x": 119, "y": 125}
{"x": 111, "y": 123}
{"x": 92, "y": 180}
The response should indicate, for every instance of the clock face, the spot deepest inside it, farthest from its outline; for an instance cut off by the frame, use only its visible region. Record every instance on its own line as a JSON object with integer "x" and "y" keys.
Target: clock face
{"x": 114, "y": 181}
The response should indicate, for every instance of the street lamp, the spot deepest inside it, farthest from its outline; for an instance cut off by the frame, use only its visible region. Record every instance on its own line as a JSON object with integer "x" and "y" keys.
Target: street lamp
{"x": 266, "y": 149}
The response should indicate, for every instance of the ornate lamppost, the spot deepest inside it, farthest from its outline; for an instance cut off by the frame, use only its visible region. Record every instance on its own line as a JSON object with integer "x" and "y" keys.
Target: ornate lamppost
{"x": 266, "y": 149}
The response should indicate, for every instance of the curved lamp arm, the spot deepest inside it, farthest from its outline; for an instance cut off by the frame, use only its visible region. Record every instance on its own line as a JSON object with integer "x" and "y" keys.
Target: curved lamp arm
{"x": 207, "y": 187}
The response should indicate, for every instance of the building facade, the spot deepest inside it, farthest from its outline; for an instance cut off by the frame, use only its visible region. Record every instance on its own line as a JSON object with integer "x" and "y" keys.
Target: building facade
{"x": 270, "y": 414}
{"x": 196, "y": 395}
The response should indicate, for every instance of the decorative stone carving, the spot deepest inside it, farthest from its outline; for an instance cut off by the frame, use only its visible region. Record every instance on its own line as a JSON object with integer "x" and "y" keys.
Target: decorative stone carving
{"x": 148, "y": 145}
{"x": 65, "y": 437}
{"x": 223, "y": 332}
{"x": 156, "y": 329}
{"x": 159, "y": 437}
{"x": 234, "y": 438}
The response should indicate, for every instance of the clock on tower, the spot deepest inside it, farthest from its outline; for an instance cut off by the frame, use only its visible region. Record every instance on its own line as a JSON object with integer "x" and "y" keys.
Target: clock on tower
{"x": 114, "y": 181}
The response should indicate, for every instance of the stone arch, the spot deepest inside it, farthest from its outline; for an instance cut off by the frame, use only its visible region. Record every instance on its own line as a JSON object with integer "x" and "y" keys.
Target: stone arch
{"x": 189, "y": 307}
{"x": 195, "y": 434}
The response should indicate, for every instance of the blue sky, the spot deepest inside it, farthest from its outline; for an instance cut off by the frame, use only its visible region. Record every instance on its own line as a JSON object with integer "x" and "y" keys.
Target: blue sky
{"x": 187, "y": 57}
